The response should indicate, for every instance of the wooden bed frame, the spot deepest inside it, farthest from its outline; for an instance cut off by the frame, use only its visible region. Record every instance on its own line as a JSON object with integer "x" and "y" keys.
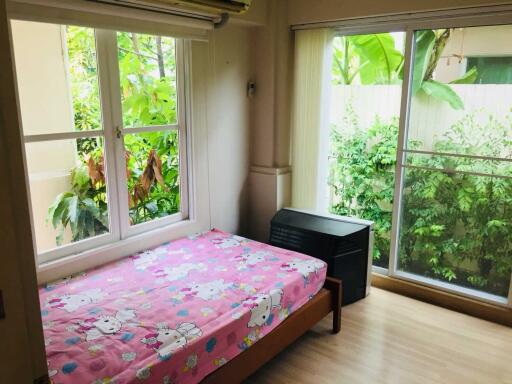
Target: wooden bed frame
{"x": 326, "y": 301}
{"x": 242, "y": 366}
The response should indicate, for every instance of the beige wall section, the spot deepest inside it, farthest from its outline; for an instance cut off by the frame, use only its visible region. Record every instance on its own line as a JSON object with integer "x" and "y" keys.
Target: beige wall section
{"x": 228, "y": 127}
{"x": 270, "y": 190}
{"x": 271, "y": 57}
{"x": 307, "y": 11}
{"x": 256, "y": 15}
{"x": 270, "y": 118}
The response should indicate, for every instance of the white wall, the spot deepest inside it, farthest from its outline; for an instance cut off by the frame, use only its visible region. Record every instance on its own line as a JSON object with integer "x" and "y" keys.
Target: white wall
{"x": 228, "y": 128}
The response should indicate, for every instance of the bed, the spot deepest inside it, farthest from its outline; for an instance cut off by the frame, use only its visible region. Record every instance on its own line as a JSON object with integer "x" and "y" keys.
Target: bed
{"x": 212, "y": 307}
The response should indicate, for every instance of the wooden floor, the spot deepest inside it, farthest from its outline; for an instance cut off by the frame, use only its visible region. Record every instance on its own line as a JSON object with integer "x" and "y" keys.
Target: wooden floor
{"x": 387, "y": 338}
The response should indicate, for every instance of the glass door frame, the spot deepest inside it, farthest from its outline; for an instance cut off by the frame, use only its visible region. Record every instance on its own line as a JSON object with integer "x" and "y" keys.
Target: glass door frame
{"x": 489, "y": 16}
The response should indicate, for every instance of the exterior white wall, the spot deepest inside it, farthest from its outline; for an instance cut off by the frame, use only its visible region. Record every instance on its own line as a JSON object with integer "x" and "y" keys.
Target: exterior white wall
{"x": 45, "y": 103}
{"x": 429, "y": 118}
{"x": 42, "y": 81}
{"x": 472, "y": 42}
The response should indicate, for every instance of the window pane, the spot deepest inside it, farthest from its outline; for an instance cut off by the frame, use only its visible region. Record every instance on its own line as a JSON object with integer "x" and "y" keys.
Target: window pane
{"x": 456, "y": 218}
{"x": 456, "y": 228}
{"x": 365, "y": 108}
{"x": 449, "y": 96}
{"x": 57, "y": 77}
{"x": 147, "y": 68}
{"x": 492, "y": 70}
{"x": 68, "y": 191}
{"x": 153, "y": 175}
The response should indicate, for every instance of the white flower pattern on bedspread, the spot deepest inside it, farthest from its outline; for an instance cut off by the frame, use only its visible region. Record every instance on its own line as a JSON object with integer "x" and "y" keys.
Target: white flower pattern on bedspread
{"x": 172, "y": 314}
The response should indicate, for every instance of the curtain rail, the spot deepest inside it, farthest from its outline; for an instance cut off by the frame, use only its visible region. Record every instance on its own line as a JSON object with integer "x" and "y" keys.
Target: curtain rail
{"x": 161, "y": 10}
{"x": 404, "y": 19}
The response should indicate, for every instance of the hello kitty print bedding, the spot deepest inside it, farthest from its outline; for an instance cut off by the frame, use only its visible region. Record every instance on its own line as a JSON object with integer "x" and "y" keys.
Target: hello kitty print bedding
{"x": 172, "y": 314}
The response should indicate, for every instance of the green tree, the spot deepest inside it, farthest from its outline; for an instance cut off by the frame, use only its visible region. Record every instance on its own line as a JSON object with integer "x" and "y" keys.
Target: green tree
{"x": 147, "y": 68}
{"x": 429, "y": 45}
{"x": 455, "y": 225}
{"x": 455, "y": 218}
{"x": 83, "y": 208}
{"x": 362, "y": 176}
{"x": 372, "y": 58}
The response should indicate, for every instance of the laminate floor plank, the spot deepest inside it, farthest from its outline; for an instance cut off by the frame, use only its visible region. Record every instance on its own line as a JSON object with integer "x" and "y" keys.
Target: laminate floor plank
{"x": 388, "y": 338}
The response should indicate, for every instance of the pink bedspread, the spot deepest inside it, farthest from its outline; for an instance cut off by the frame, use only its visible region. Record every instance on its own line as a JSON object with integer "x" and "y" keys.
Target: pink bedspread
{"x": 172, "y": 314}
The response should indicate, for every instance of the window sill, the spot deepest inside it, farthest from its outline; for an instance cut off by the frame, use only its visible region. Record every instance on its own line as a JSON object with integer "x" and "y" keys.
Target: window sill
{"x": 114, "y": 251}
{"x": 495, "y": 313}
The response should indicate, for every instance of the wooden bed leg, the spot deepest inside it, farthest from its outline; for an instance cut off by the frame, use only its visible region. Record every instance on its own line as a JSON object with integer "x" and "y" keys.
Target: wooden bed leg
{"x": 335, "y": 286}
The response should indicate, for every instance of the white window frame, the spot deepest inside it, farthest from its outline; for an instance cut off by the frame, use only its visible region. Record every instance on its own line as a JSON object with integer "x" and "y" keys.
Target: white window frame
{"x": 471, "y": 17}
{"x": 107, "y": 40}
{"x": 123, "y": 237}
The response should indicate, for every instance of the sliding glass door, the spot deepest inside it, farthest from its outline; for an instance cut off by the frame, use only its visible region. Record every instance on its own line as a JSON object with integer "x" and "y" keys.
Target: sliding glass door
{"x": 455, "y": 221}
{"x": 367, "y": 73}
{"x": 421, "y": 144}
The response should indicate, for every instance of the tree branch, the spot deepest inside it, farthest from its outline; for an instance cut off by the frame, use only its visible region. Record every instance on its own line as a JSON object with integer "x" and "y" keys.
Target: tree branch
{"x": 138, "y": 54}
{"x": 160, "y": 57}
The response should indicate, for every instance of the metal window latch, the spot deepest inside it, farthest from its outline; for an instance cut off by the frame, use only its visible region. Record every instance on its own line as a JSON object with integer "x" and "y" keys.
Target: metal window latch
{"x": 119, "y": 133}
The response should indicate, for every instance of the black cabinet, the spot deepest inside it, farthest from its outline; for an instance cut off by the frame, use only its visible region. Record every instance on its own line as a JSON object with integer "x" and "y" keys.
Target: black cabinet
{"x": 343, "y": 243}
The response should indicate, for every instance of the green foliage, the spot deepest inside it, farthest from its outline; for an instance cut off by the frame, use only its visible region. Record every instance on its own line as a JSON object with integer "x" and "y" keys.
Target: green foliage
{"x": 362, "y": 177}
{"x": 147, "y": 67}
{"x": 83, "y": 78}
{"x": 442, "y": 92}
{"x": 424, "y": 47}
{"x": 160, "y": 199}
{"x": 468, "y": 78}
{"x": 454, "y": 225}
{"x": 428, "y": 48}
{"x": 373, "y": 57}
{"x": 83, "y": 208}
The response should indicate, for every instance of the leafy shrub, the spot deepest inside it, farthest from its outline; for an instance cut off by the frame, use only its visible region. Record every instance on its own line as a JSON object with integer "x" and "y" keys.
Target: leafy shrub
{"x": 454, "y": 225}
{"x": 153, "y": 175}
{"x": 362, "y": 177}
{"x": 147, "y": 77}
{"x": 373, "y": 59}
{"x": 83, "y": 208}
